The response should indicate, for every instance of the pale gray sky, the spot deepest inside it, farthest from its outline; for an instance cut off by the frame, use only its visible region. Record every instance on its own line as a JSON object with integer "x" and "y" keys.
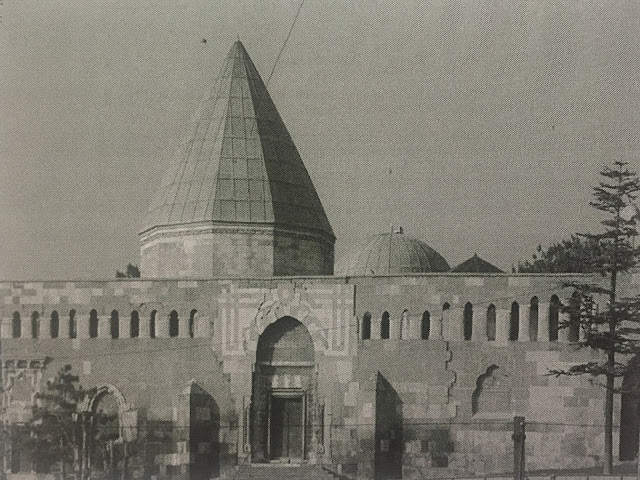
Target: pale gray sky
{"x": 495, "y": 117}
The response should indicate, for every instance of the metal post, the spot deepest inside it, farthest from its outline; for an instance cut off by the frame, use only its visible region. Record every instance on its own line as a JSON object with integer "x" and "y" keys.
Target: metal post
{"x": 83, "y": 459}
{"x": 518, "y": 448}
{"x": 638, "y": 454}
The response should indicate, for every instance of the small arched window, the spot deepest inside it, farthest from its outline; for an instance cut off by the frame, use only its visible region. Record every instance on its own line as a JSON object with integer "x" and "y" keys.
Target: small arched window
{"x": 533, "y": 319}
{"x": 554, "y": 312}
{"x": 35, "y": 325}
{"x": 468, "y": 321}
{"x": 366, "y": 326}
{"x": 93, "y": 323}
{"x": 192, "y": 323}
{"x": 152, "y": 324}
{"x": 385, "y": 326}
{"x": 115, "y": 324}
{"x": 491, "y": 322}
{"x": 16, "y": 325}
{"x": 425, "y": 325}
{"x": 73, "y": 324}
{"x": 574, "y": 317}
{"x": 54, "y": 325}
{"x": 135, "y": 324}
{"x": 514, "y": 321}
{"x": 174, "y": 328}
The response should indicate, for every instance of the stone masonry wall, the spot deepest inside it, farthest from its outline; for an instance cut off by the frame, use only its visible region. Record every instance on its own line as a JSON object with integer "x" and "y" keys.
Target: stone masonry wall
{"x": 233, "y": 251}
{"x": 458, "y": 396}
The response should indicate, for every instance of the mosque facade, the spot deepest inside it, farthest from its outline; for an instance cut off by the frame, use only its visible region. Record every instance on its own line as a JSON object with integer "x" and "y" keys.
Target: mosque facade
{"x": 239, "y": 345}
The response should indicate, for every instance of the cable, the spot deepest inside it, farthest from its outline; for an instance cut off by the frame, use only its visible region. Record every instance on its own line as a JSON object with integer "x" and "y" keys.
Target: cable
{"x": 284, "y": 43}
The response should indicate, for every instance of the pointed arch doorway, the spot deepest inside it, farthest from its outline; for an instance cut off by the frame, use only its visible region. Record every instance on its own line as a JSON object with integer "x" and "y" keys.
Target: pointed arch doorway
{"x": 284, "y": 392}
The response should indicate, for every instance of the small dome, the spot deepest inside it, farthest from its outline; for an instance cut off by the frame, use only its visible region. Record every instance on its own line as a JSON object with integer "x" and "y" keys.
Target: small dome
{"x": 392, "y": 253}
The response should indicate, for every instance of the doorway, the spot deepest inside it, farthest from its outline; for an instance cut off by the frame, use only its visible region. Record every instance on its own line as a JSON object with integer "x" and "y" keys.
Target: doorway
{"x": 283, "y": 395}
{"x": 286, "y": 428}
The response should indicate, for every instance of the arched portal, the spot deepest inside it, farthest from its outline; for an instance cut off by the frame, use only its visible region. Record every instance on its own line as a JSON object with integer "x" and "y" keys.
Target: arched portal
{"x": 630, "y": 411}
{"x": 105, "y": 453}
{"x": 284, "y": 393}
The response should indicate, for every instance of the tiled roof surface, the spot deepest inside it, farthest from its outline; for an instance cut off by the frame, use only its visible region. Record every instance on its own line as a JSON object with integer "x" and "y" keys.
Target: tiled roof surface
{"x": 239, "y": 163}
{"x": 476, "y": 265}
{"x": 392, "y": 253}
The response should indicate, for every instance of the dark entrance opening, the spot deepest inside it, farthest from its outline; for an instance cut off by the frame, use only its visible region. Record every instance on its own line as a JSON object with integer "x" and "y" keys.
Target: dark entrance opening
{"x": 286, "y": 429}
{"x": 204, "y": 431}
{"x": 388, "y": 433}
{"x": 630, "y": 411}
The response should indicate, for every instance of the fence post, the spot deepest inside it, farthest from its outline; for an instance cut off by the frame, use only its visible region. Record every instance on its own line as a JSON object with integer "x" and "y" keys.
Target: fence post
{"x": 518, "y": 448}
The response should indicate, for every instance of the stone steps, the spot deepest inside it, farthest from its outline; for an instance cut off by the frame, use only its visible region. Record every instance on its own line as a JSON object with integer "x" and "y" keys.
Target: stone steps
{"x": 284, "y": 472}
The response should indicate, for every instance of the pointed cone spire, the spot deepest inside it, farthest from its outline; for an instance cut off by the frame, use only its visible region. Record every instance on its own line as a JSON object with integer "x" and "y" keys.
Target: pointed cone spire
{"x": 239, "y": 163}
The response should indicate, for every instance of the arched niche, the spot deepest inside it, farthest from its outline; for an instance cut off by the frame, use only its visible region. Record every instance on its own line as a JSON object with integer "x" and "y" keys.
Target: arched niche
{"x": 106, "y": 408}
{"x": 286, "y": 340}
{"x": 204, "y": 434}
{"x": 284, "y": 402}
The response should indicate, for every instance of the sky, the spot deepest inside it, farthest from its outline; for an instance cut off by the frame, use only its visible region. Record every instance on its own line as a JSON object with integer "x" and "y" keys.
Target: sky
{"x": 480, "y": 127}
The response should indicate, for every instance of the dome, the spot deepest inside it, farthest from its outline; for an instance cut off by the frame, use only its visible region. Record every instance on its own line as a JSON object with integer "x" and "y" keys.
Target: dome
{"x": 392, "y": 253}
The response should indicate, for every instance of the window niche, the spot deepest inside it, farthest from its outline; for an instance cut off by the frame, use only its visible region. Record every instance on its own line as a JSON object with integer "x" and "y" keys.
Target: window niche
{"x": 492, "y": 395}
{"x": 425, "y": 325}
{"x": 366, "y": 326}
{"x": 385, "y": 326}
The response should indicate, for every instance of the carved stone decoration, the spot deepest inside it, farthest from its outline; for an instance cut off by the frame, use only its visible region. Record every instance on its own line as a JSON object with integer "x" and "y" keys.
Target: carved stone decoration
{"x": 23, "y": 379}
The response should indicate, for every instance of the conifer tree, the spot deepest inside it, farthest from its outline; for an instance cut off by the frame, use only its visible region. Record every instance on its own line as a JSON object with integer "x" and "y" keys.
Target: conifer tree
{"x": 53, "y": 432}
{"x": 613, "y": 329}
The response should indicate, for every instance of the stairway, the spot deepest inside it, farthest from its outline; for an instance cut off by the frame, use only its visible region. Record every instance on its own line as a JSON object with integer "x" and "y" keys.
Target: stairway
{"x": 282, "y": 472}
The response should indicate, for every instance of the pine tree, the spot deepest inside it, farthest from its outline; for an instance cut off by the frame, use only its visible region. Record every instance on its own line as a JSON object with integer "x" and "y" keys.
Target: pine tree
{"x": 53, "y": 432}
{"x": 613, "y": 329}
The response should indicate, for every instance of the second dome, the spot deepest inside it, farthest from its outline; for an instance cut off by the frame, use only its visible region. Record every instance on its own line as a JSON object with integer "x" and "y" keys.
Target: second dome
{"x": 392, "y": 253}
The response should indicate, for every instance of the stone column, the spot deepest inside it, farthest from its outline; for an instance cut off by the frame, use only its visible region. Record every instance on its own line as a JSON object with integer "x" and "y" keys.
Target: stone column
{"x": 376, "y": 325}
{"x": 563, "y": 333}
{"x": 144, "y": 326}
{"x": 199, "y": 329}
{"x": 124, "y": 324}
{"x": 503, "y": 317}
{"x": 82, "y": 324}
{"x": 162, "y": 324}
{"x": 435, "y": 327}
{"x": 394, "y": 327}
{"x": 479, "y": 327}
{"x": 104, "y": 326}
{"x": 445, "y": 324}
{"x": 523, "y": 322}
{"x": 5, "y": 330}
{"x": 543, "y": 322}
{"x": 455, "y": 324}
{"x": 45, "y": 326}
{"x": 63, "y": 325}
{"x": 183, "y": 324}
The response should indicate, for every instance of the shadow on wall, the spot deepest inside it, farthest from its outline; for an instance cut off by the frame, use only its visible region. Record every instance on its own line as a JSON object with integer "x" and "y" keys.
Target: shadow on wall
{"x": 204, "y": 431}
{"x": 630, "y": 411}
{"x": 492, "y": 393}
{"x": 388, "y": 435}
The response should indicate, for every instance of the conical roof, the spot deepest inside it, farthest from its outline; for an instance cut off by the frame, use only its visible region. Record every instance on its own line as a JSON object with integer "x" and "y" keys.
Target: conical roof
{"x": 476, "y": 265}
{"x": 392, "y": 253}
{"x": 239, "y": 163}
